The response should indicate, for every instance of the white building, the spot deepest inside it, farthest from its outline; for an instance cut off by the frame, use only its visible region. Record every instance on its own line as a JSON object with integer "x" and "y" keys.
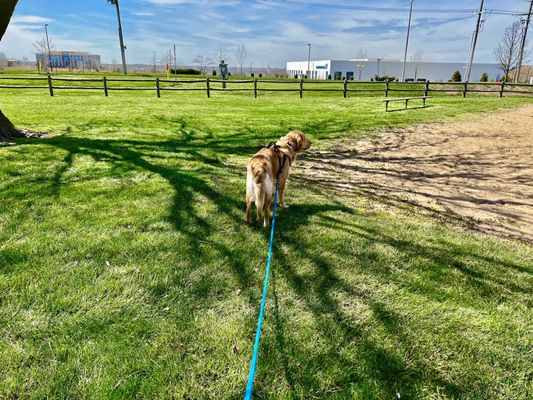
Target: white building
{"x": 69, "y": 59}
{"x": 366, "y": 69}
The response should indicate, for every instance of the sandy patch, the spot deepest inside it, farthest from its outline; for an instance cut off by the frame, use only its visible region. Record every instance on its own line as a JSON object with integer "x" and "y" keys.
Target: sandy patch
{"x": 477, "y": 173}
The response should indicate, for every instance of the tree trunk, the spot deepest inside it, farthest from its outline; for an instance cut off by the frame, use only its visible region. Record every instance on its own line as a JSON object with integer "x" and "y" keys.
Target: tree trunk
{"x": 7, "y": 130}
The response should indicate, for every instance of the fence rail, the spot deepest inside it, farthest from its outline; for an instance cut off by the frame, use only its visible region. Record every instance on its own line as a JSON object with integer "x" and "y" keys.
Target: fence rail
{"x": 264, "y": 85}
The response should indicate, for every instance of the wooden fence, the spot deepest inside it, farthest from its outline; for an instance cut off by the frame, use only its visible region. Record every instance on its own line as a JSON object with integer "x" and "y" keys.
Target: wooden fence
{"x": 342, "y": 86}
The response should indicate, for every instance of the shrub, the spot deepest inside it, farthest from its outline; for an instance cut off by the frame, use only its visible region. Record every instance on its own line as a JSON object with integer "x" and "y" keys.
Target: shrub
{"x": 484, "y": 77}
{"x": 456, "y": 77}
{"x": 186, "y": 71}
{"x": 214, "y": 73}
{"x": 384, "y": 78}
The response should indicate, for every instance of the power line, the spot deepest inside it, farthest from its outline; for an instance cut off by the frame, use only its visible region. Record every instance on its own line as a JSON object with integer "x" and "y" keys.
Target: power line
{"x": 387, "y": 9}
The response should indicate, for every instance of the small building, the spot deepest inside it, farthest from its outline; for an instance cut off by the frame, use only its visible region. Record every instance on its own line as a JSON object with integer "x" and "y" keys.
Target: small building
{"x": 69, "y": 59}
{"x": 366, "y": 69}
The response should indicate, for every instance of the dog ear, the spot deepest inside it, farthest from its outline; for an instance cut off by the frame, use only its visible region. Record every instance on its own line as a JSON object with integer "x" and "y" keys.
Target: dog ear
{"x": 292, "y": 143}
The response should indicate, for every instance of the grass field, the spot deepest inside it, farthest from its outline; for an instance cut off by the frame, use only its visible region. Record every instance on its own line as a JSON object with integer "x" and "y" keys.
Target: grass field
{"x": 127, "y": 271}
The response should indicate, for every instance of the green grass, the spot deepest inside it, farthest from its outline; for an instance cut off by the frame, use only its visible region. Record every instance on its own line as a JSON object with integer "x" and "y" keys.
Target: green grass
{"x": 127, "y": 271}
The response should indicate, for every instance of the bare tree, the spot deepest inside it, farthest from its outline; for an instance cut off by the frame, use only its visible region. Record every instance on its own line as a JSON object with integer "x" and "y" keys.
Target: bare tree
{"x": 41, "y": 47}
{"x": 507, "y": 51}
{"x": 240, "y": 56}
{"x": 417, "y": 59}
{"x": 221, "y": 55}
{"x": 167, "y": 58}
{"x": 361, "y": 54}
{"x": 3, "y": 60}
{"x": 153, "y": 62}
{"x": 200, "y": 60}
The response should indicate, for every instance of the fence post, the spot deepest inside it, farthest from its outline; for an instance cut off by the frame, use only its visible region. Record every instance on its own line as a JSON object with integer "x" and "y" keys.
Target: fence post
{"x": 426, "y": 89}
{"x": 301, "y": 87}
{"x": 157, "y": 87}
{"x": 105, "y": 86}
{"x": 208, "y": 89}
{"x": 50, "y": 86}
{"x": 255, "y": 88}
{"x": 501, "y": 88}
{"x": 387, "y": 88}
{"x": 344, "y": 87}
{"x": 465, "y": 89}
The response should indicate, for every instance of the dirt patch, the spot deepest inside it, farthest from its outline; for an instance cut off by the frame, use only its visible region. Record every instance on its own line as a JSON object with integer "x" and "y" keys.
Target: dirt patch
{"x": 477, "y": 173}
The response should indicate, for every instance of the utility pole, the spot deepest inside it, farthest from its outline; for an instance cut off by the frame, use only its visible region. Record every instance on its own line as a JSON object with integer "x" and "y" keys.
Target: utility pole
{"x": 407, "y": 41}
{"x": 309, "y": 61}
{"x": 122, "y": 47}
{"x": 523, "y": 45}
{"x": 473, "y": 50}
{"x": 48, "y": 45}
{"x": 175, "y": 62}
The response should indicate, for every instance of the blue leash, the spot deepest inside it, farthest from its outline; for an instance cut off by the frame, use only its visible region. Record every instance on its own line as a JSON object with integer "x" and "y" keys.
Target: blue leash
{"x": 253, "y": 364}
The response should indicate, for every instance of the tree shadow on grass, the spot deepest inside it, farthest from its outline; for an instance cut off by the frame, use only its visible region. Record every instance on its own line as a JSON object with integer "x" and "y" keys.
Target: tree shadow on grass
{"x": 374, "y": 369}
{"x": 370, "y": 368}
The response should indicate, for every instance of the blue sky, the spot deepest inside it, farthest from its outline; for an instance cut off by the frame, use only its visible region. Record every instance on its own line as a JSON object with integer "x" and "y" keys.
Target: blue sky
{"x": 272, "y": 31}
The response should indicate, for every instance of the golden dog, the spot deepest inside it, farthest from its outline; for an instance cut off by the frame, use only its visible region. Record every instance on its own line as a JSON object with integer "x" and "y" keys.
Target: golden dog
{"x": 265, "y": 167}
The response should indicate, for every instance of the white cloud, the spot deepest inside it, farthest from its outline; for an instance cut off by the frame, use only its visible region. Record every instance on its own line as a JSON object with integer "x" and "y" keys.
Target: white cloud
{"x": 143, "y": 13}
{"x": 30, "y": 19}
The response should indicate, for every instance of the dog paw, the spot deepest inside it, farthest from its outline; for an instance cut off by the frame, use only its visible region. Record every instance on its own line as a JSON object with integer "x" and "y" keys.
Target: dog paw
{"x": 283, "y": 205}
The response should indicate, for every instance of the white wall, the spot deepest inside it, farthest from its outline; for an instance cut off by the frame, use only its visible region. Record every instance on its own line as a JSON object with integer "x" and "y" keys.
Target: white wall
{"x": 427, "y": 70}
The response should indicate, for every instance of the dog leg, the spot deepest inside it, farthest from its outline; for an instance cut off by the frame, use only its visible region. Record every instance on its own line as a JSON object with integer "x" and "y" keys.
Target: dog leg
{"x": 249, "y": 203}
{"x": 281, "y": 184}
{"x": 250, "y": 195}
{"x": 268, "y": 203}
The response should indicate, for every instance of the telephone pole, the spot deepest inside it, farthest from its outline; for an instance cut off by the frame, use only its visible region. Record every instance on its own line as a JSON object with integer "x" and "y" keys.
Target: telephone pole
{"x": 122, "y": 47}
{"x": 48, "y": 45}
{"x": 175, "y": 62}
{"x": 407, "y": 41}
{"x": 473, "y": 50}
{"x": 523, "y": 45}
{"x": 309, "y": 61}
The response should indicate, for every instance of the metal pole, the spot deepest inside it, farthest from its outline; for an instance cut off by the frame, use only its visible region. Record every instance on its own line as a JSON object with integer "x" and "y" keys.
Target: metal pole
{"x": 175, "y": 62}
{"x": 407, "y": 41}
{"x": 309, "y": 61}
{"x": 471, "y": 60}
{"x": 48, "y": 45}
{"x": 122, "y": 47}
{"x": 523, "y": 45}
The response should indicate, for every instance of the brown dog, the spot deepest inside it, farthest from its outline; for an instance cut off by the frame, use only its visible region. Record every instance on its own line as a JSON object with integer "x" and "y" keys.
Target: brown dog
{"x": 269, "y": 164}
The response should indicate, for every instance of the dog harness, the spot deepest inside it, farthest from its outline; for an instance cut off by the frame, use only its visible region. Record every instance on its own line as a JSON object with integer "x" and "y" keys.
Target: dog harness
{"x": 282, "y": 158}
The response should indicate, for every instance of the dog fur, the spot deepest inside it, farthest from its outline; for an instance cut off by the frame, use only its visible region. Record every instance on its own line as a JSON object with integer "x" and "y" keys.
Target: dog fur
{"x": 263, "y": 169}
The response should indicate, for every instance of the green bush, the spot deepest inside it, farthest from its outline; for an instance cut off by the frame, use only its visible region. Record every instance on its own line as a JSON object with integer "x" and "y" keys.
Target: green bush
{"x": 185, "y": 71}
{"x": 456, "y": 77}
{"x": 484, "y": 77}
{"x": 384, "y": 78}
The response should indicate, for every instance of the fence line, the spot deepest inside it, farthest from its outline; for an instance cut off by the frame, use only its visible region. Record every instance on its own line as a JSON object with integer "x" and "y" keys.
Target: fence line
{"x": 387, "y": 87}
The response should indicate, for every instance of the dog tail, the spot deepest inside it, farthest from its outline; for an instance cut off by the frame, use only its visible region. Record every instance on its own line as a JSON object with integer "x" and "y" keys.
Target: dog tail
{"x": 258, "y": 186}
